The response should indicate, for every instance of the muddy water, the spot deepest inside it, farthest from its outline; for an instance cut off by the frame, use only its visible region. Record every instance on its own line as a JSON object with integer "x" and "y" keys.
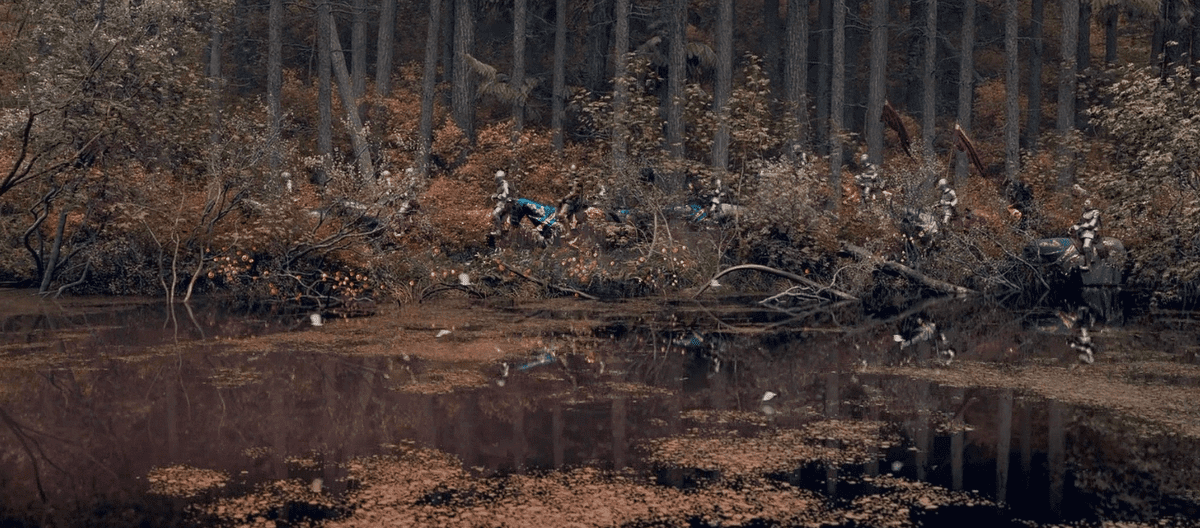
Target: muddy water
{"x": 97, "y": 398}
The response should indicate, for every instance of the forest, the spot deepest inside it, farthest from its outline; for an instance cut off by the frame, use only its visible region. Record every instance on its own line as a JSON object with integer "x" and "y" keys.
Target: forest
{"x": 329, "y": 153}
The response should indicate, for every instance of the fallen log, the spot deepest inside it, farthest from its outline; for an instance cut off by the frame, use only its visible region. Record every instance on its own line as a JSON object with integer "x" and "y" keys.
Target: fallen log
{"x": 785, "y": 274}
{"x": 911, "y": 274}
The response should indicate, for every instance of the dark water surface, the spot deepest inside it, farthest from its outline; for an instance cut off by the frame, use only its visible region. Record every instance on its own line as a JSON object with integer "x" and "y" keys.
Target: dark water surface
{"x": 93, "y": 396}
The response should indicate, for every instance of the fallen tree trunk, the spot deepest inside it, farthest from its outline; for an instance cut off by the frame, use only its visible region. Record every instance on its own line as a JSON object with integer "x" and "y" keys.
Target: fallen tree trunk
{"x": 785, "y": 274}
{"x": 911, "y": 274}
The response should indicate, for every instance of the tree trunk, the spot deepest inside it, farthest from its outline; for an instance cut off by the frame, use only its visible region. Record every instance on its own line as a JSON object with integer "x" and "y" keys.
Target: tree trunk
{"x": 855, "y": 99}
{"x": 362, "y": 152}
{"x": 558, "y": 105}
{"x": 463, "y": 97}
{"x": 447, "y": 45}
{"x": 966, "y": 84}
{"x": 824, "y": 70}
{"x": 1083, "y": 58}
{"x": 55, "y": 251}
{"x": 275, "y": 80}
{"x": 771, "y": 49}
{"x": 429, "y": 86}
{"x": 358, "y": 48}
{"x": 1066, "y": 91}
{"x": 929, "y": 80}
{"x": 214, "y": 81}
{"x": 596, "y": 72}
{"x": 621, "y": 86}
{"x": 1033, "y": 116}
{"x": 724, "y": 85}
{"x": 518, "y": 75}
{"x": 1012, "y": 101}
{"x": 676, "y": 77}
{"x": 1175, "y": 35}
{"x": 837, "y": 96}
{"x": 912, "y": 41}
{"x": 878, "y": 83}
{"x": 384, "y": 47}
{"x": 1194, "y": 50}
{"x": 797, "y": 74}
{"x": 1083, "y": 55}
{"x": 324, "y": 91}
{"x": 1112, "y": 16}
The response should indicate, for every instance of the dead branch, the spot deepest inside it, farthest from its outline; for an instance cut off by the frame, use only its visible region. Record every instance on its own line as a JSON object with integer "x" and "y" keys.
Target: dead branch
{"x": 911, "y": 274}
{"x": 785, "y": 274}
{"x": 441, "y": 287}
{"x": 546, "y": 284}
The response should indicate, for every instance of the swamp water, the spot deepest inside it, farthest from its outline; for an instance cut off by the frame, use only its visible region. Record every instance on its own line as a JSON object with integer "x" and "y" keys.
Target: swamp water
{"x": 119, "y": 414}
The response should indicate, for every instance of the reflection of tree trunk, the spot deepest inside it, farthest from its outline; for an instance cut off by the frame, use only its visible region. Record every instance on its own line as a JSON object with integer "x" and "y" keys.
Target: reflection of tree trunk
{"x": 619, "y": 437}
{"x": 556, "y": 434}
{"x": 278, "y": 432}
{"x": 520, "y": 446}
{"x": 832, "y": 411}
{"x": 1056, "y": 453}
{"x": 1026, "y": 441}
{"x": 956, "y": 452}
{"x": 427, "y": 423}
{"x": 463, "y": 434}
{"x": 1003, "y": 443}
{"x": 873, "y": 413}
{"x": 172, "y": 419}
{"x": 366, "y": 389}
{"x": 922, "y": 433}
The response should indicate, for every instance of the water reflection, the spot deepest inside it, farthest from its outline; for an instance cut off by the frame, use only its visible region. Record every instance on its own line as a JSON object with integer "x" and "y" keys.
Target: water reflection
{"x": 90, "y": 430}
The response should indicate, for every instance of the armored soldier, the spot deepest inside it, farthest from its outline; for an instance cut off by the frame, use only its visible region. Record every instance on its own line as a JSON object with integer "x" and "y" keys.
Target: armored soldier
{"x": 1087, "y": 227}
{"x": 948, "y": 201}
{"x": 868, "y": 179}
{"x": 502, "y": 213}
{"x": 1083, "y": 343}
